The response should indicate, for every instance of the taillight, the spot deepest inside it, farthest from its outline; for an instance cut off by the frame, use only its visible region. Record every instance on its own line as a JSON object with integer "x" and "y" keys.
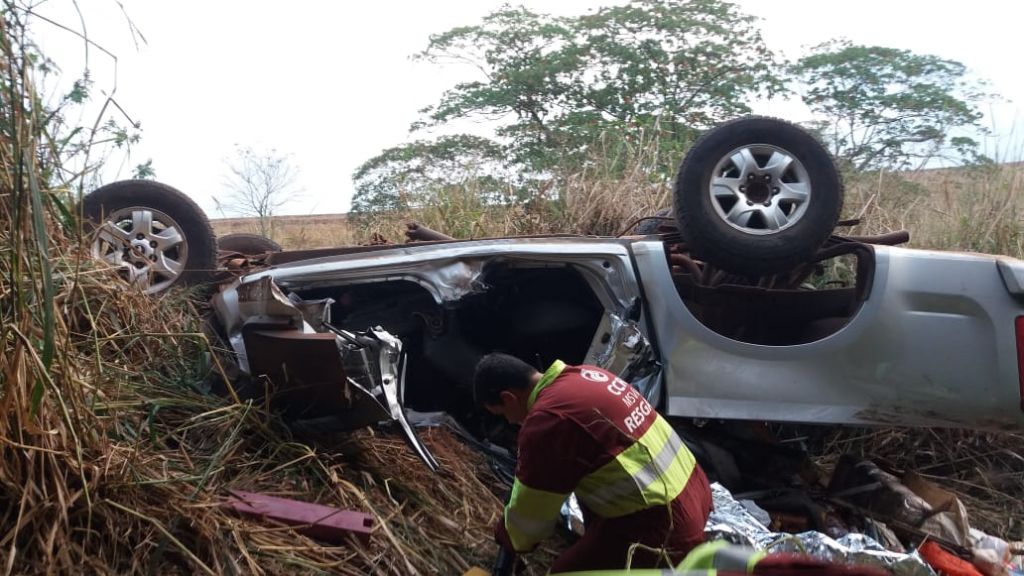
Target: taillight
{"x": 1020, "y": 357}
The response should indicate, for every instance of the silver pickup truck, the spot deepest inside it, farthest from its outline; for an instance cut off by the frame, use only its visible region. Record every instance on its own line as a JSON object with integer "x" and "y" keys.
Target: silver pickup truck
{"x": 738, "y": 309}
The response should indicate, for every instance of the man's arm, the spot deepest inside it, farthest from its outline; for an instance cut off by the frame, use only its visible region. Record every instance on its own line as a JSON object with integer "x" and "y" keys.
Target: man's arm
{"x": 548, "y": 470}
{"x": 529, "y": 516}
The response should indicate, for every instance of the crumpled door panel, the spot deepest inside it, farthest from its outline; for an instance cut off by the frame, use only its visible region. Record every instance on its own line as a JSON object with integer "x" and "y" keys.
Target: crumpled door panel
{"x": 352, "y": 379}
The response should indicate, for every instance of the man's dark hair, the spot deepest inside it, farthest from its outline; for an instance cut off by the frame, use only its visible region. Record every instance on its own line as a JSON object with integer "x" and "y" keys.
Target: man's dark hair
{"x": 497, "y": 372}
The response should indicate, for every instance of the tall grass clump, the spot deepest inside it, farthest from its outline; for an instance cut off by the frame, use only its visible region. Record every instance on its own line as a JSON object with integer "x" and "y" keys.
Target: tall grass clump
{"x": 972, "y": 208}
{"x": 620, "y": 183}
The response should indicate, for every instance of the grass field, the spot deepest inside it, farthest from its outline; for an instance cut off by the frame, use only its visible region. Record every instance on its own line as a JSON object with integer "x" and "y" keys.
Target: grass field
{"x": 971, "y": 209}
{"x": 293, "y": 232}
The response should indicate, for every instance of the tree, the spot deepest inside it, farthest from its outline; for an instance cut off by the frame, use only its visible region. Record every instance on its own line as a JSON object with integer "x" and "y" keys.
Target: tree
{"x": 259, "y": 184}
{"x": 557, "y": 83}
{"x": 144, "y": 171}
{"x": 411, "y": 175}
{"x": 889, "y": 108}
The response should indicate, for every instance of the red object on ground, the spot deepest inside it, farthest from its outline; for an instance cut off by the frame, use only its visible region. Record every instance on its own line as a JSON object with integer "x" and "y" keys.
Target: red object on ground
{"x": 945, "y": 563}
{"x": 786, "y": 564}
{"x": 317, "y": 521}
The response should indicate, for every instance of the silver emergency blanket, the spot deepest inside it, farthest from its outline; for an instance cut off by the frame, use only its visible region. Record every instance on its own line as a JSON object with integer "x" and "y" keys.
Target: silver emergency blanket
{"x": 731, "y": 521}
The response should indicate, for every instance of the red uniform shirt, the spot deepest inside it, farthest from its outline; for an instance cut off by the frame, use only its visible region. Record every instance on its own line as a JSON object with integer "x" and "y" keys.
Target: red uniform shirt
{"x": 578, "y": 423}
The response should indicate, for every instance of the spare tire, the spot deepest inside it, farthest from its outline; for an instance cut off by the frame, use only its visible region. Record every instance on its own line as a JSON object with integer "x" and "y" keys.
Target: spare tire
{"x": 248, "y": 244}
{"x": 757, "y": 196}
{"x": 156, "y": 235}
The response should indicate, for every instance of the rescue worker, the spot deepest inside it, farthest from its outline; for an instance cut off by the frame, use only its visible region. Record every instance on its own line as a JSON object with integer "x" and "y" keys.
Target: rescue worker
{"x": 586, "y": 431}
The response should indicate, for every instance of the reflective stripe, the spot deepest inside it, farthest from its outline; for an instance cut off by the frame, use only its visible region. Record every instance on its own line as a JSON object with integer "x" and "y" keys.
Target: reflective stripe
{"x": 635, "y": 480}
{"x": 553, "y": 371}
{"x": 523, "y": 529}
{"x": 633, "y": 459}
{"x": 641, "y": 478}
{"x": 530, "y": 515}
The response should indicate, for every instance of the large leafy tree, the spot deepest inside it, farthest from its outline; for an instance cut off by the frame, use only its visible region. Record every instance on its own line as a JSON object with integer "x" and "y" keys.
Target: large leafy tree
{"x": 555, "y": 87}
{"x": 555, "y": 84}
{"x": 412, "y": 175}
{"x": 889, "y": 108}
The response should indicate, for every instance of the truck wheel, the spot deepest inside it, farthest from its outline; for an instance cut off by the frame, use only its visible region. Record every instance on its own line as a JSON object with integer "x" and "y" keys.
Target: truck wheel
{"x": 248, "y": 244}
{"x": 757, "y": 196}
{"x": 658, "y": 223}
{"x": 157, "y": 236}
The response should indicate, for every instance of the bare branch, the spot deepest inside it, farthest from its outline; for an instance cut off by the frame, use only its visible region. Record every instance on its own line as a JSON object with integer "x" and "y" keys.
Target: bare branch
{"x": 259, "y": 185}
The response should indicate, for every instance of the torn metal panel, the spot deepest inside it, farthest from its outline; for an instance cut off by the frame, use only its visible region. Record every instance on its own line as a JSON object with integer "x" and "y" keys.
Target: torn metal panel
{"x": 455, "y": 268}
{"x": 382, "y": 373}
{"x": 621, "y": 348}
{"x": 263, "y": 299}
{"x": 315, "y": 312}
{"x": 392, "y": 363}
{"x": 306, "y": 375}
{"x": 445, "y": 280}
{"x": 350, "y": 379}
{"x": 456, "y": 279}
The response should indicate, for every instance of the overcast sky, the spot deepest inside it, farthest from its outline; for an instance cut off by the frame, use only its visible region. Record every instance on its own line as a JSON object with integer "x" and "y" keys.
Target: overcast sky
{"x": 331, "y": 83}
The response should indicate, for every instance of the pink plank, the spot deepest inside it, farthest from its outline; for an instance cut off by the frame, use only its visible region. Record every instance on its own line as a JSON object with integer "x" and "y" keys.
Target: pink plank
{"x": 317, "y": 521}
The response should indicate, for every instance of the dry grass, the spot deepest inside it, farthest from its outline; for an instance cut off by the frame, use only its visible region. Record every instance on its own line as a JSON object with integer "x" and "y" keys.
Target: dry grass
{"x": 295, "y": 232}
{"x": 985, "y": 470}
{"x": 978, "y": 209}
{"x": 970, "y": 209}
{"x": 123, "y": 464}
{"x": 113, "y": 457}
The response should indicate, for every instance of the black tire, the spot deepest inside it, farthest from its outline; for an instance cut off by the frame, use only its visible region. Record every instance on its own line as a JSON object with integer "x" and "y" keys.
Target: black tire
{"x": 748, "y": 236}
{"x": 655, "y": 224}
{"x": 194, "y": 255}
{"x": 248, "y": 244}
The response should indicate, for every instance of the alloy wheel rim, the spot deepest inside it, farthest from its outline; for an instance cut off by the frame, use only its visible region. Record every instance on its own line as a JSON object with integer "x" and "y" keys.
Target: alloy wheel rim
{"x": 760, "y": 189}
{"x": 146, "y": 245}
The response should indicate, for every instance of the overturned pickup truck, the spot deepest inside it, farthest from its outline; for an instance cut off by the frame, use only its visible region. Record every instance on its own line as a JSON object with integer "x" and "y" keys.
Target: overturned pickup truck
{"x": 722, "y": 315}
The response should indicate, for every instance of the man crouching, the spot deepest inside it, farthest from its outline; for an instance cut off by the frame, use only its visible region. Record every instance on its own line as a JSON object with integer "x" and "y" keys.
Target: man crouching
{"x": 584, "y": 430}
